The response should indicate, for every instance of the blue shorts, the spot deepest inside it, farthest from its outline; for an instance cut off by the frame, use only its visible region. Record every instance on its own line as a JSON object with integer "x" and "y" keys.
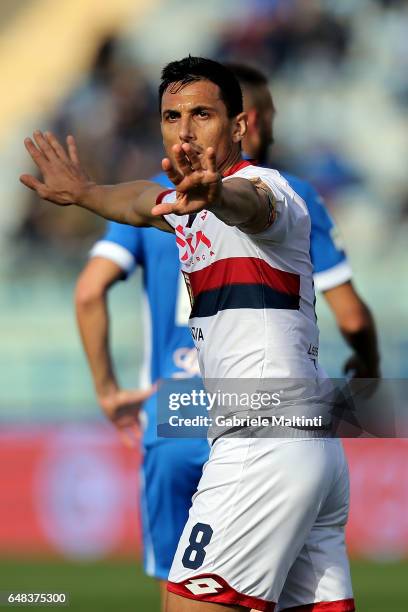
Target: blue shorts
{"x": 169, "y": 477}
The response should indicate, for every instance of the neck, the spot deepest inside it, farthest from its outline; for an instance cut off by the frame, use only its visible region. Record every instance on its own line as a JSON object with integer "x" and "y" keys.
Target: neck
{"x": 233, "y": 157}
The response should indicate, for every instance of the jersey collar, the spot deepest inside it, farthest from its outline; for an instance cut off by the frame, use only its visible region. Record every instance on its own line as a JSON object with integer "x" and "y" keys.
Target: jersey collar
{"x": 238, "y": 166}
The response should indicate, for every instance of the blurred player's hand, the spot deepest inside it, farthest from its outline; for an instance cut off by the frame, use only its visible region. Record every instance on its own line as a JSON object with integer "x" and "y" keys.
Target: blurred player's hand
{"x": 198, "y": 184}
{"x": 122, "y": 407}
{"x": 64, "y": 180}
{"x": 355, "y": 367}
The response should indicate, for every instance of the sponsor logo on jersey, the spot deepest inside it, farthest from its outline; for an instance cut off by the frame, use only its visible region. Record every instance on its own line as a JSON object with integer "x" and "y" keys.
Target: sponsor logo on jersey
{"x": 188, "y": 243}
{"x": 197, "y": 333}
{"x": 203, "y": 586}
{"x": 313, "y": 350}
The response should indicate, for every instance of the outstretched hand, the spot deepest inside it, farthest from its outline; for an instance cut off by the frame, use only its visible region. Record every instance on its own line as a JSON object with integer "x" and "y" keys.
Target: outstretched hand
{"x": 63, "y": 179}
{"x": 198, "y": 184}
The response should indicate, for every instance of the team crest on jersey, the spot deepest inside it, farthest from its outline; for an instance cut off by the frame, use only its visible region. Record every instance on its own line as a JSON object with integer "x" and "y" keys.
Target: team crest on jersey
{"x": 188, "y": 243}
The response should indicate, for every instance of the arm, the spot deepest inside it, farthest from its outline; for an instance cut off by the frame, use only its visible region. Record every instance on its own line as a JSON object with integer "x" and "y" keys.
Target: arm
{"x": 238, "y": 201}
{"x": 65, "y": 183}
{"x": 119, "y": 405}
{"x": 198, "y": 186}
{"x": 357, "y": 326}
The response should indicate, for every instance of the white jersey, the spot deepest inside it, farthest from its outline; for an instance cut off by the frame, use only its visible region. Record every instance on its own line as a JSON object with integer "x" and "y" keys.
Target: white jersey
{"x": 252, "y": 295}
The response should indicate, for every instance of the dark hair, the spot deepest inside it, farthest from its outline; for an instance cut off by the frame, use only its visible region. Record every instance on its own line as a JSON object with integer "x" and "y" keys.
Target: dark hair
{"x": 191, "y": 69}
{"x": 247, "y": 75}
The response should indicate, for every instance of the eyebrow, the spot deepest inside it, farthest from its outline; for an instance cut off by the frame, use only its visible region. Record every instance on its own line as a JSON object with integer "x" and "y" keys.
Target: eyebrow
{"x": 199, "y": 107}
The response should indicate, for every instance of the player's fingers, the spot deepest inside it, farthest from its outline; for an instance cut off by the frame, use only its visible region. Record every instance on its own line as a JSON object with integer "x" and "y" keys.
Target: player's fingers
{"x": 32, "y": 183}
{"x": 73, "y": 150}
{"x": 183, "y": 207}
{"x": 36, "y": 155}
{"x": 163, "y": 209}
{"x": 126, "y": 439}
{"x": 195, "y": 161}
{"x": 57, "y": 147}
{"x": 211, "y": 160}
{"x": 182, "y": 160}
{"x": 173, "y": 174}
{"x": 44, "y": 145}
{"x": 140, "y": 395}
{"x": 136, "y": 431}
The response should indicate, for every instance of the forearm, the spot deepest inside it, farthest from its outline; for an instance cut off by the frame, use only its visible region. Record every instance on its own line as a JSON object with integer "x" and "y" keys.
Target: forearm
{"x": 362, "y": 338}
{"x": 356, "y": 324}
{"x": 129, "y": 203}
{"x": 93, "y": 322}
{"x": 241, "y": 204}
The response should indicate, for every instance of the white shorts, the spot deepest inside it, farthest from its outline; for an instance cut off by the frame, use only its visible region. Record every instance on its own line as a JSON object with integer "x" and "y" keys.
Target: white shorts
{"x": 266, "y": 528}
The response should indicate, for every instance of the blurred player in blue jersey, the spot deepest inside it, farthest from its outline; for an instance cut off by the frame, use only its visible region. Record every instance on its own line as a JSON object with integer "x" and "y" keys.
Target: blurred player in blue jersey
{"x": 172, "y": 468}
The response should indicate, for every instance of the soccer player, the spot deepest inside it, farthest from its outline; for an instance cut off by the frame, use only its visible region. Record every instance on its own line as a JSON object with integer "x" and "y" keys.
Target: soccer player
{"x": 165, "y": 496}
{"x": 267, "y": 521}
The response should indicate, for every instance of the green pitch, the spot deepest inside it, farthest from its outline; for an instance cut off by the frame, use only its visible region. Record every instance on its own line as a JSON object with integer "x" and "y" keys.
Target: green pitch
{"x": 121, "y": 586}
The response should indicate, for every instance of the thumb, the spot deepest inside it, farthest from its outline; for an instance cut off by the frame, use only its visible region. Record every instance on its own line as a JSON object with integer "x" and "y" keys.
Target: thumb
{"x": 140, "y": 395}
{"x": 31, "y": 182}
{"x": 126, "y": 439}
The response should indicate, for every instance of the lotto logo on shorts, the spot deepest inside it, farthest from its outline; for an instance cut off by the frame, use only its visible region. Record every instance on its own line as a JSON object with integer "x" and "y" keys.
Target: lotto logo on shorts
{"x": 203, "y": 586}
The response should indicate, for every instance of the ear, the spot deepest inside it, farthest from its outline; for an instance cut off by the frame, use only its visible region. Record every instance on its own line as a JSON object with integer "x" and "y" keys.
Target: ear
{"x": 240, "y": 127}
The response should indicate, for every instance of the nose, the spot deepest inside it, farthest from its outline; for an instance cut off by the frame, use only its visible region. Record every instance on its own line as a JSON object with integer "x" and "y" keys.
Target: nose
{"x": 186, "y": 129}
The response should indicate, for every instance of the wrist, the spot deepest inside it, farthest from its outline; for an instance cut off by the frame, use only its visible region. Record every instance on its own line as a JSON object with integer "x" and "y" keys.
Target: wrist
{"x": 88, "y": 194}
{"x": 105, "y": 390}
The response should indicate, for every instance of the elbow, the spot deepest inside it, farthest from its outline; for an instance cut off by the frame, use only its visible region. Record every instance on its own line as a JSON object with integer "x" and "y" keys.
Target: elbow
{"x": 355, "y": 320}
{"x": 88, "y": 293}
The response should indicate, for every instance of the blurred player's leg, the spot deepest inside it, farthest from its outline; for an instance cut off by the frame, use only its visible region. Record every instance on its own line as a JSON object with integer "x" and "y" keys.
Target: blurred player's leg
{"x": 170, "y": 474}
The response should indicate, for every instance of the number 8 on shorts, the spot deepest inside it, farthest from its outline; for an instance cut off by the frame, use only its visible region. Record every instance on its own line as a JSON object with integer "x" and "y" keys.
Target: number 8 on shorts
{"x": 194, "y": 554}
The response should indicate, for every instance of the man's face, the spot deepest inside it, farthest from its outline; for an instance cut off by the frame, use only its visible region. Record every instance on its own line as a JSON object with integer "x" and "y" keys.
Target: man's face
{"x": 196, "y": 114}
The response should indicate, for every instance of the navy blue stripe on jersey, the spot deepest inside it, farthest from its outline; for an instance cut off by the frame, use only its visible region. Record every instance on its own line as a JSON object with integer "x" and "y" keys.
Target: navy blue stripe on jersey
{"x": 256, "y": 296}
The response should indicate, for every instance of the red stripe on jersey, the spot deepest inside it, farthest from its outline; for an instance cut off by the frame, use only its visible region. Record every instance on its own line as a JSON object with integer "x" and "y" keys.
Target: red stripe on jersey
{"x": 243, "y": 270}
{"x": 162, "y": 195}
{"x": 242, "y": 164}
{"x": 341, "y": 605}
{"x": 213, "y": 588}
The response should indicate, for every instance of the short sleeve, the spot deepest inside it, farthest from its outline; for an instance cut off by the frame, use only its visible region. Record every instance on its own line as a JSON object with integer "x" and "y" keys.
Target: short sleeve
{"x": 121, "y": 244}
{"x": 330, "y": 264}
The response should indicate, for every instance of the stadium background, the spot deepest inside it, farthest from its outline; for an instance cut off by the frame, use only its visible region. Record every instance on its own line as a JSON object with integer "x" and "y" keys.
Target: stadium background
{"x": 68, "y": 512}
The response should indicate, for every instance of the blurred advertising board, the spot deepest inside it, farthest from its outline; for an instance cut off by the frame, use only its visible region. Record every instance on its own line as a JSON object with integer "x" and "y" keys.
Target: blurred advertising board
{"x": 72, "y": 491}
{"x": 68, "y": 490}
